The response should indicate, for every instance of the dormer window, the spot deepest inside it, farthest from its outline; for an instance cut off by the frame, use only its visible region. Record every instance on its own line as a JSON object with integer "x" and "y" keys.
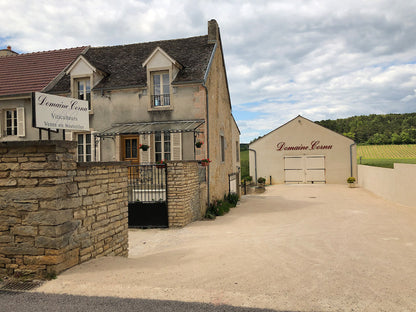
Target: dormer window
{"x": 84, "y": 90}
{"x": 160, "y": 89}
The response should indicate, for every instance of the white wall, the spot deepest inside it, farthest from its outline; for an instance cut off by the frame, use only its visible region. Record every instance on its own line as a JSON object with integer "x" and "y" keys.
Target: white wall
{"x": 297, "y": 132}
{"x": 398, "y": 184}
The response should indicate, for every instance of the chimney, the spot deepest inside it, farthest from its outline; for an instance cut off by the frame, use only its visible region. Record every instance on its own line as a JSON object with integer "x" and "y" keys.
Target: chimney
{"x": 7, "y": 52}
{"x": 213, "y": 31}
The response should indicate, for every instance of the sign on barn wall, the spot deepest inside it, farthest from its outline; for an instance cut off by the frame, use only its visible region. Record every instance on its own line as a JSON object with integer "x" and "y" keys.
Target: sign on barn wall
{"x": 58, "y": 112}
{"x": 314, "y": 145}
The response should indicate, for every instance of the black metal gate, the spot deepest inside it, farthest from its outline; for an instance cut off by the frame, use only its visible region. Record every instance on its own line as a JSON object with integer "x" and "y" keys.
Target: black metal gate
{"x": 147, "y": 189}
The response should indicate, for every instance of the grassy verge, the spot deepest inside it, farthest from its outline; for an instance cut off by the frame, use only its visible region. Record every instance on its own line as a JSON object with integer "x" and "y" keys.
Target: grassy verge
{"x": 244, "y": 162}
{"x": 385, "y": 163}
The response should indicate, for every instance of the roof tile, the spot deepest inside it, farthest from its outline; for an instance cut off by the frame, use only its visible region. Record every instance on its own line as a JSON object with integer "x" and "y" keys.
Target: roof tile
{"x": 123, "y": 64}
{"x": 31, "y": 72}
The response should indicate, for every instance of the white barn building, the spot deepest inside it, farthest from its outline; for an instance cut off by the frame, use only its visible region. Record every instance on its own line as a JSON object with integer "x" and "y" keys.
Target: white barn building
{"x": 302, "y": 151}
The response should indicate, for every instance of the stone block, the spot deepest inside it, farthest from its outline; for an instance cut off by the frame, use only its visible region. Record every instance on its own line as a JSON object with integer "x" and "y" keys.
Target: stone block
{"x": 80, "y": 214}
{"x": 47, "y": 217}
{"x": 6, "y": 238}
{"x": 48, "y": 173}
{"x": 4, "y": 260}
{"x": 25, "y": 230}
{"x": 59, "y": 230}
{"x": 22, "y": 249}
{"x": 72, "y": 188}
{"x": 27, "y": 182}
{"x": 47, "y": 260}
{"x": 26, "y": 205}
{"x": 8, "y": 182}
{"x": 53, "y": 242}
{"x": 9, "y": 166}
{"x": 94, "y": 190}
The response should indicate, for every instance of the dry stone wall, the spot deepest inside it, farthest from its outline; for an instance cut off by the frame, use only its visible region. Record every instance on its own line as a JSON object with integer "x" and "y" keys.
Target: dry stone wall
{"x": 187, "y": 200}
{"x": 55, "y": 212}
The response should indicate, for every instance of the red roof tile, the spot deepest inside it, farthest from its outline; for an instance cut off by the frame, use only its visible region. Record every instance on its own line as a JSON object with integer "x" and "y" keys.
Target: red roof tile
{"x": 31, "y": 72}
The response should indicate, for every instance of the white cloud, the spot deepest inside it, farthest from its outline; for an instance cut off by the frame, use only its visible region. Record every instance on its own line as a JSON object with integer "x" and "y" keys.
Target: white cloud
{"x": 322, "y": 59}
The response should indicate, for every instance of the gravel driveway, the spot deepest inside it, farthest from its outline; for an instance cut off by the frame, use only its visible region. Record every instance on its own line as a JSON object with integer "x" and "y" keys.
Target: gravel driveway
{"x": 295, "y": 247}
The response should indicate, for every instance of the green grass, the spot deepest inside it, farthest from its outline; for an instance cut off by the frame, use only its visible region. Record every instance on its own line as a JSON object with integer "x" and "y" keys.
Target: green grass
{"x": 405, "y": 151}
{"x": 244, "y": 162}
{"x": 385, "y": 163}
{"x": 386, "y": 155}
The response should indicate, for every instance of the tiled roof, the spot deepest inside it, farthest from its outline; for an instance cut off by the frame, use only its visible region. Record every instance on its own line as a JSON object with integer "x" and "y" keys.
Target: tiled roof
{"x": 30, "y": 72}
{"x": 123, "y": 64}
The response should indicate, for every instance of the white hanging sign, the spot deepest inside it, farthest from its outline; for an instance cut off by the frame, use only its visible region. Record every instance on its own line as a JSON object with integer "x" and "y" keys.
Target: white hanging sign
{"x": 59, "y": 112}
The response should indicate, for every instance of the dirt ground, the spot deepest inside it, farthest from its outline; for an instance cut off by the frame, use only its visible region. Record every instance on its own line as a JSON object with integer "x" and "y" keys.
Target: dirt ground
{"x": 294, "y": 247}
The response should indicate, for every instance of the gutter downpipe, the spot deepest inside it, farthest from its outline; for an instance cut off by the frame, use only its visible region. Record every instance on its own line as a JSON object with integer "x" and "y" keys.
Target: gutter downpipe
{"x": 255, "y": 163}
{"x": 207, "y": 109}
{"x": 351, "y": 158}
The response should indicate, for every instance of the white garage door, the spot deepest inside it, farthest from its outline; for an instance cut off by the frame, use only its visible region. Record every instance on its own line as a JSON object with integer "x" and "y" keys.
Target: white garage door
{"x": 305, "y": 169}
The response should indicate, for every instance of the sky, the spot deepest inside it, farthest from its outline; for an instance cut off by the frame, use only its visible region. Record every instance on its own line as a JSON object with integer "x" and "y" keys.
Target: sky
{"x": 323, "y": 59}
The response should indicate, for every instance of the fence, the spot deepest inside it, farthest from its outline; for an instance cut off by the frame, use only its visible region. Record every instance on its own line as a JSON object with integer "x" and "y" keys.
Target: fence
{"x": 147, "y": 189}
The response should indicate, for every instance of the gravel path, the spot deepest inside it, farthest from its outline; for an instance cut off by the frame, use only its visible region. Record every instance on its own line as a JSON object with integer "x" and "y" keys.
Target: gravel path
{"x": 295, "y": 247}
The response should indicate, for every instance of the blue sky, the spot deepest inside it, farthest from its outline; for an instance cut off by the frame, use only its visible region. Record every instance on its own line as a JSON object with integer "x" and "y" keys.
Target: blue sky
{"x": 321, "y": 59}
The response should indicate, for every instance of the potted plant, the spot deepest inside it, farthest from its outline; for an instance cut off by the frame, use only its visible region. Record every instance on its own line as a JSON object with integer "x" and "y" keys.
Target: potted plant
{"x": 160, "y": 164}
{"x": 351, "y": 181}
{"x": 261, "y": 181}
{"x": 205, "y": 162}
{"x": 198, "y": 144}
{"x": 144, "y": 147}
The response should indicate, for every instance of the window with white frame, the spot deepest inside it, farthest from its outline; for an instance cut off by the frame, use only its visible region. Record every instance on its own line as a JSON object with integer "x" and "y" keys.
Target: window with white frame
{"x": 84, "y": 147}
{"x": 160, "y": 89}
{"x": 84, "y": 90}
{"x": 162, "y": 146}
{"x": 11, "y": 122}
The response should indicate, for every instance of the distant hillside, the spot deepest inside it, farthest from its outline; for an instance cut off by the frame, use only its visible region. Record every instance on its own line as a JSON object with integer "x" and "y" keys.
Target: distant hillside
{"x": 376, "y": 129}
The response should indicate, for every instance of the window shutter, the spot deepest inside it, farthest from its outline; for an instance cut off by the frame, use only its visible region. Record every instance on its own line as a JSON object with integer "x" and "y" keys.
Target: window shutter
{"x": 21, "y": 121}
{"x": 1, "y": 123}
{"x": 176, "y": 146}
{"x": 69, "y": 135}
{"x": 95, "y": 147}
{"x": 145, "y": 155}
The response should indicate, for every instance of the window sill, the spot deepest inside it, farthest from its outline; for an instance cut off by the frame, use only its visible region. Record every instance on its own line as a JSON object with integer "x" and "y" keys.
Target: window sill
{"x": 160, "y": 108}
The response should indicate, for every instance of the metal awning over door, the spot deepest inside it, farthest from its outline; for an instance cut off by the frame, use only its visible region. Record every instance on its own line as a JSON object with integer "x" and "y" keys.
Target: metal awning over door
{"x": 305, "y": 169}
{"x": 177, "y": 126}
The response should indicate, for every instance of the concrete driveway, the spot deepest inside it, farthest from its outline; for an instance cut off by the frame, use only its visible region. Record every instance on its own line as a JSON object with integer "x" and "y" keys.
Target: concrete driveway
{"x": 295, "y": 247}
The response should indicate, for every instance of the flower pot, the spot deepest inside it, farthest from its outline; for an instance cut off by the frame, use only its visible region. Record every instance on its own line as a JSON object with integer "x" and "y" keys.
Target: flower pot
{"x": 144, "y": 149}
{"x": 204, "y": 164}
{"x": 160, "y": 166}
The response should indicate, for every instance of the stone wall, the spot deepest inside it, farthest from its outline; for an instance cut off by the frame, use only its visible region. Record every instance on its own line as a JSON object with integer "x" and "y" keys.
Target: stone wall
{"x": 187, "y": 199}
{"x": 56, "y": 213}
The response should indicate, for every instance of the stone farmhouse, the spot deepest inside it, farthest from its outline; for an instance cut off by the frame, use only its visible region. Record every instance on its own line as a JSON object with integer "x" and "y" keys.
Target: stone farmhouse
{"x": 168, "y": 95}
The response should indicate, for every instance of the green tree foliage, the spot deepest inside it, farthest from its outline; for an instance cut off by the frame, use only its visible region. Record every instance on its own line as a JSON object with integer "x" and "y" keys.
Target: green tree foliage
{"x": 376, "y": 129}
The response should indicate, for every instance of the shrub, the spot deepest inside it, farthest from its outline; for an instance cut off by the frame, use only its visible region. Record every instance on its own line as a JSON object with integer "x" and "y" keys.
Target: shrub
{"x": 351, "y": 180}
{"x": 221, "y": 207}
{"x": 232, "y": 198}
{"x": 261, "y": 180}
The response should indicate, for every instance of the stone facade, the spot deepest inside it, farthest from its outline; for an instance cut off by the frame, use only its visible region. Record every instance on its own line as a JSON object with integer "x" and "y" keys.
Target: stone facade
{"x": 187, "y": 197}
{"x": 56, "y": 213}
